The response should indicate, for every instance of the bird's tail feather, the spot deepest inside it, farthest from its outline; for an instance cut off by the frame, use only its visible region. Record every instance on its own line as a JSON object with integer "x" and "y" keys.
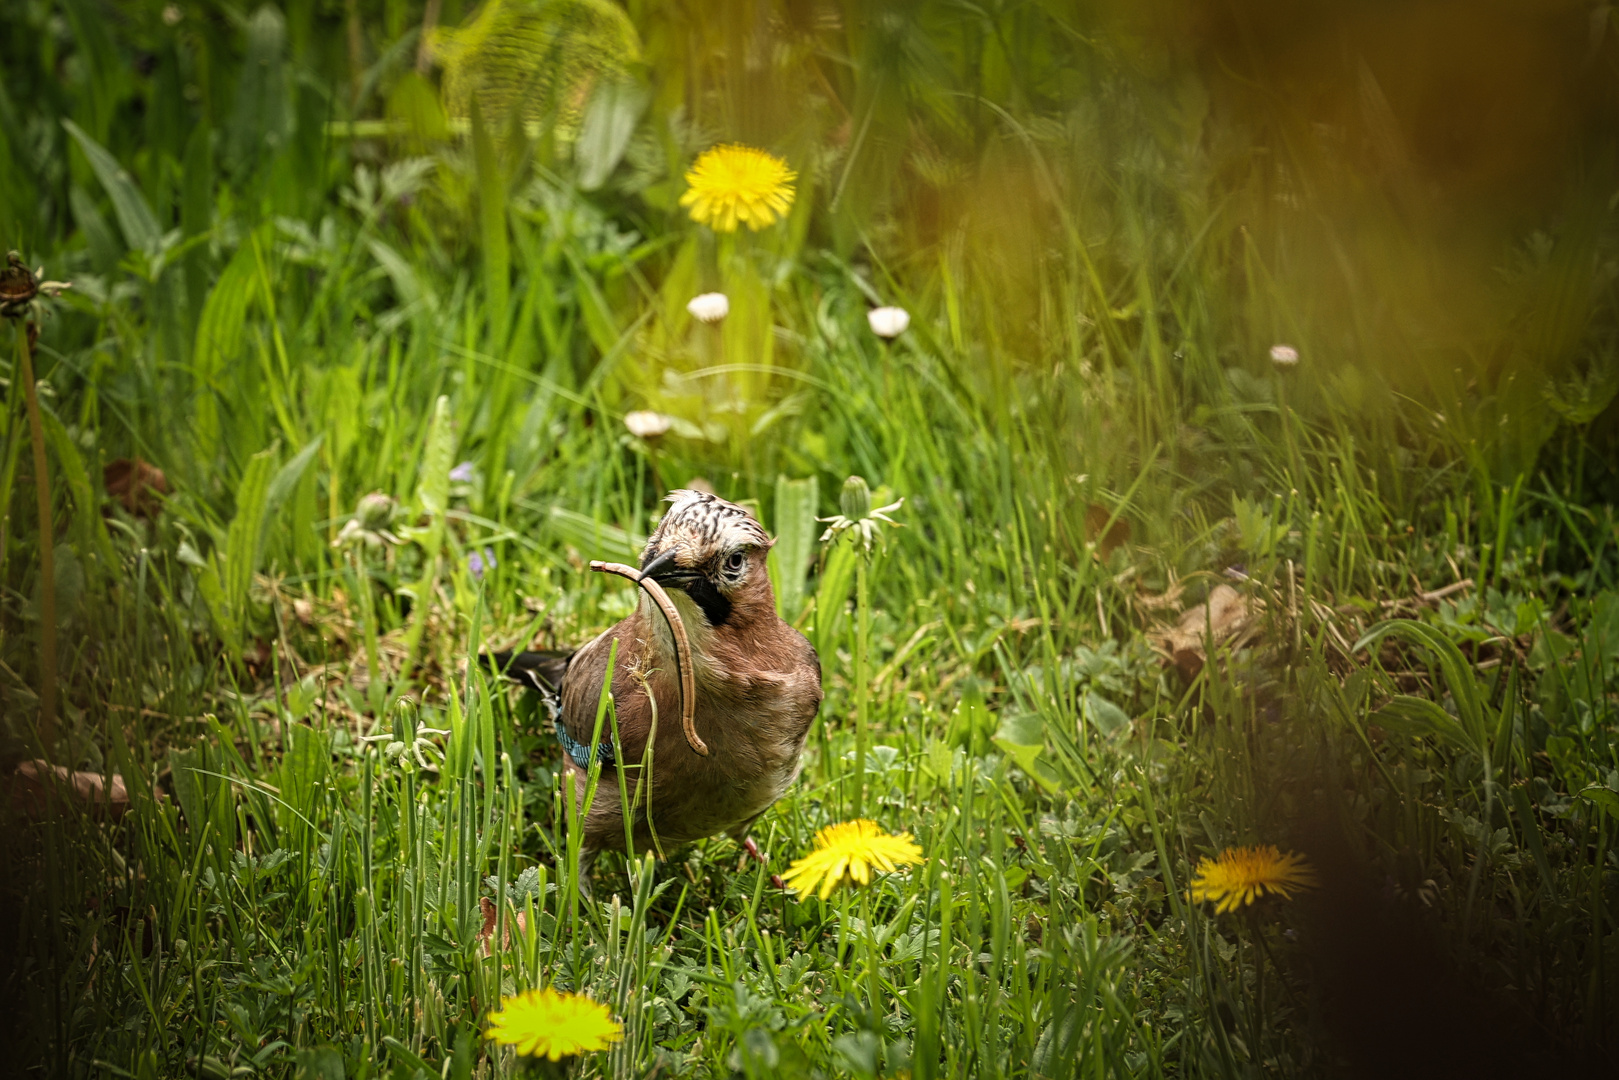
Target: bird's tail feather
{"x": 541, "y": 671}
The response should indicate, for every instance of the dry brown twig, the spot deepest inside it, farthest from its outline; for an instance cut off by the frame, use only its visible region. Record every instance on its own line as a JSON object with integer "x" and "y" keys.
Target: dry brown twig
{"x": 688, "y": 675}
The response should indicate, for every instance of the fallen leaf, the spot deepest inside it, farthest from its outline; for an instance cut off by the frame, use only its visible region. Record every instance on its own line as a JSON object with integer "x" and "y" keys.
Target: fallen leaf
{"x": 487, "y": 906}
{"x": 1169, "y": 598}
{"x": 34, "y": 783}
{"x": 136, "y": 484}
{"x": 1220, "y": 619}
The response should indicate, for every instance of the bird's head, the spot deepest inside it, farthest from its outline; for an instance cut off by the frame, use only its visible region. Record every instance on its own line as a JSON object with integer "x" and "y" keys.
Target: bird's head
{"x": 714, "y": 551}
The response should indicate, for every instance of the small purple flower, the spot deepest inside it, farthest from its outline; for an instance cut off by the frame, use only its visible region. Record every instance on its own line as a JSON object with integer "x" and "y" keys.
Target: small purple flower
{"x": 462, "y": 473}
{"x": 478, "y": 563}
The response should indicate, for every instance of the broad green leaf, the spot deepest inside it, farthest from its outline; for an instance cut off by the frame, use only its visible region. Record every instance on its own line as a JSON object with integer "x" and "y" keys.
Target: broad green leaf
{"x": 1459, "y": 676}
{"x": 105, "y": 248}
{"x": 832, "y": 596}
{"x": 196, "y": 215}
{"x": 135, "y": 218}
{"x": 289, "y": 475}
{"x": 593, "y": 539}
{"x": 433, "y": 492}
{"x": 187, "y": 787}
{"x": 87, "y": 520}
{"x": 288, "y": 479}
{"x": 971, "y": 725}
{"x": 1605, "y": 799}
{"x": 244, "y": 540}
{"x": 1550, "y": 647}
{"x": 305, "y": 763}
{"x": 1602, "y": 636}
{"x": 433, "y": 484}
{"x": 492, "y": 221}
{"x": 1021, "y": 729}
{"x": 403, "y": 275}
{"x": 1022, "y": 738}
{"x": 211, "y": 584}
{"x": 261, "y": 119}
{"x": 600, "y": 322}
{"x": 938, "y": 759}
{"x": 1105, "y": 716}
{"x": 219, "y": 344}
{"x": 789, "y": 560}
{"x": 1419, "y": 717}
{"x": 615, "y": 108}
{"x": 101, "y": 62}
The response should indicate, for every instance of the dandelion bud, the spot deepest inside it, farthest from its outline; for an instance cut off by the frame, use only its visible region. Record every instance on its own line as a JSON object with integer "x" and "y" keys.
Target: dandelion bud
{"x": 646, "y": 424}
{"x": 888, "y": 322}
{"x": 1284, "y": 355}
{"x": 375, "y": 511}
{"x": 710, "y": 307}
{"x": 855, "y": 502}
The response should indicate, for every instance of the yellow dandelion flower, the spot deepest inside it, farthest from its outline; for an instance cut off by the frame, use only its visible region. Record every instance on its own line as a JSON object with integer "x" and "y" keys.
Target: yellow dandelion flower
{"x": 738, "y": 183}
{"x": 1242, "y": 875}
{"x": 553, "y": 1025}
{"x": 847, "y": 852}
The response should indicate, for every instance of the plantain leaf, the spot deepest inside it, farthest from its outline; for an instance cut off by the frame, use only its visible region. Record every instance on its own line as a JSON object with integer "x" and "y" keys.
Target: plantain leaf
{"x": 433, "y": 486}
{"x": 492, "y": 222}
{"x": 87, "y": 518}
{"x": 219, "y": 343}
{"x": 433, "y": 492}
{"x": 135, "y": 218}
{"x": 243, "y": 542}
{"x": 789, "y": 560}
{"x": 1459, "y": 677}
{"x": 610, "y": 118}
{"x": 832, "y": 596}
{"x": 593, "y": 539}
{"x": 1421, "y": 718}
{"x": 289, "y": 474}
{"x": 262, "y": 119}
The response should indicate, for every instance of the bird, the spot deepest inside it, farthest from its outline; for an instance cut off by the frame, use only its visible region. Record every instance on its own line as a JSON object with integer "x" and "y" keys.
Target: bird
{"x": 758, "y": 684}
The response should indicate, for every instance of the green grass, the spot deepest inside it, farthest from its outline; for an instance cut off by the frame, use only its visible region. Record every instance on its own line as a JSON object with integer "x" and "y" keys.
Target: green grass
{"x": 297, "y": 283}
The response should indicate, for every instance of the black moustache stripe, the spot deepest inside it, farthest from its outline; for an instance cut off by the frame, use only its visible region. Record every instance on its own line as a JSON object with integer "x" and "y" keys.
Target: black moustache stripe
{"x": 706, "y": 596}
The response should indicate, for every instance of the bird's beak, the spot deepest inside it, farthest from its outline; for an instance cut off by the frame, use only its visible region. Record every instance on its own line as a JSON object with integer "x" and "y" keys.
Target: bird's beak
{"x": 663, "y": 569}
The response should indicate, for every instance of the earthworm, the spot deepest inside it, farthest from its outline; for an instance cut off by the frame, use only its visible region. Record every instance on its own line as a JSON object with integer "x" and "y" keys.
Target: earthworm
{"x": 688, "y": 675}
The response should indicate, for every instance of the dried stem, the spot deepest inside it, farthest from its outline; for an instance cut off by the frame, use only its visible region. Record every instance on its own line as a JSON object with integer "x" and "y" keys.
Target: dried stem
{"x": 47, "y": 552}
{"x": 862, "y": 681}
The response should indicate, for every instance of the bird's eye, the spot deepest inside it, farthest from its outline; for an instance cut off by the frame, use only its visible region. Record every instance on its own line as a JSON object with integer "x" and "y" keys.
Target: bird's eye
{"x": 736, "y": 562}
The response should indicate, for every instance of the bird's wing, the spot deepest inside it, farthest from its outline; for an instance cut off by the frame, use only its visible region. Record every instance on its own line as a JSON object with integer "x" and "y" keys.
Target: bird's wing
{"x": 582, "y": 687}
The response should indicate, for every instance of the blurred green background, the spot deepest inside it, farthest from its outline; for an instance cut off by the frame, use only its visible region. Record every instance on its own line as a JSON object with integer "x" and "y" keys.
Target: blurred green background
{"x": 292, "y": 231}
